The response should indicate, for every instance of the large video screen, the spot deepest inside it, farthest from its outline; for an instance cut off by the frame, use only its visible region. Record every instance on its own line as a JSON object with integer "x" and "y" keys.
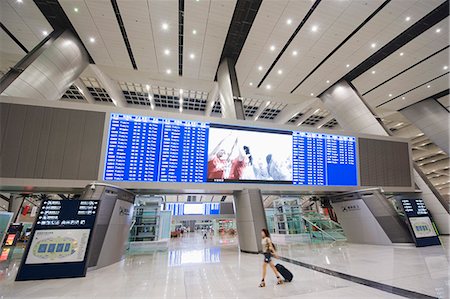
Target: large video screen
{"x": 148, "y": 149}
{"x": 239, "y": 154}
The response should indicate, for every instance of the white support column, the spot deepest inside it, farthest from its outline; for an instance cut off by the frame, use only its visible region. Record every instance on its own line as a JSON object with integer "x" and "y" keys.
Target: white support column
{"x": 212, "y": 97}
{"x": 84, "y": 91}
{"x": 292, "y": 110}
{"x": 226, "y": 91}
{"x": 111, "y": 87}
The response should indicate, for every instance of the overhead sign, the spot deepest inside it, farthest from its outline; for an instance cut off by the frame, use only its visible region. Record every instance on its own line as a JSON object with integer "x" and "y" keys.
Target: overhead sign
{"x": 59, "y": 240}
{"x": 419, "y": 221}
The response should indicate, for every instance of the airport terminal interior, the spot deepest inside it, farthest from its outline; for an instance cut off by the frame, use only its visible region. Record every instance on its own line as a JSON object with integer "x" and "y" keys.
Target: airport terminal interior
{"x": 224, "y": 149}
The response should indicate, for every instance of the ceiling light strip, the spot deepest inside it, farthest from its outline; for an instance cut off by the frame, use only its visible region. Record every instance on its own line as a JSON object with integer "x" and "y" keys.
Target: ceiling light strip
{"x": 434, "y": 97}
{"x": 428, "y": 21}
{"x": 418, "y": 86}
{"x": 124, "y": 32}
{"x": 297, "y": 30}
{"x": 180, "y": 36}
{"x": 405, "y": 70}
{"x": 373, "y": 14}
{"x": 9, "y": 33}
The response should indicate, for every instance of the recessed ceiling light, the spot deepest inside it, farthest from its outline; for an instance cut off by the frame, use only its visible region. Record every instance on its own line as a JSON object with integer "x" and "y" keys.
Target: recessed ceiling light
{"x": 294, "y": 53}
{"x": 19, "y": 1}
{"x": 166, "y": 52}
{"x": 347, "y": 66}
{"x": 165, "y": 26}
{"x": 168, "y": 71}
{"x": 314, "y": 28}
{"x": 192, "y": 56}
{"x": 92, "y": 39}
{"x": 401, "y": 53}
{"x": 445, "y": 67}
{"x": 373, "y": 45}
{"x": 289, "y": 21}
{"x": 403, "y": 98}
{"x": 194, "y": 32}
{"x": 272, "y": 48}
{"x": 328, "y": 81}
{"x": 390, "y": 94}
{"x": 147, "y": 87}
{"x": 407, "y": 19}
{"x": 280, "y": 72}
{"x": 311, "y": 94}
{"x": 260, "y": 68}
{"x": 75, "y": 9}
{"x": 428, "y": 86}
{"x": 268, "y": 86}
{"x": 373, "y": 72}
{"x": 251, "y": 83}
{"x": 45, "y": 33}
{"x": 438, "y": 30}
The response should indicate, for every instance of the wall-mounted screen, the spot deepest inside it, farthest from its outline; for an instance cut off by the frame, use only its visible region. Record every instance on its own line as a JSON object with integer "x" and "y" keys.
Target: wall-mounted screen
{"x": 148, "y": 149}
{"x": 194, "y": 209}
{"x": 240, "y": 154}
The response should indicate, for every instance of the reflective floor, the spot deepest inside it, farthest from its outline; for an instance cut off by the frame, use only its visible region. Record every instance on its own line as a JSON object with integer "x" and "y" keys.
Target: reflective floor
{"x": 197, "y": 268}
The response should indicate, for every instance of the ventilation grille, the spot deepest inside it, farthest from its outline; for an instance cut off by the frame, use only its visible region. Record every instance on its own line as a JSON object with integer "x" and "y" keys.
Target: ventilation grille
{"x": 313, "y": 120}
{"x": 73, "y": 93}
{"x": 272, "y": 110}
{"x": 217, "y": 108}
{"x": 331, "y": 124}
{"x": 250, "y": 110}
{"x": 295, "y": 118}
{"x": 96, "y": 90}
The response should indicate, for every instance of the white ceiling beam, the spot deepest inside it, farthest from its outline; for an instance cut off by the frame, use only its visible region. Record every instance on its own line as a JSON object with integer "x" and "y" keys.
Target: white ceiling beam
{"x": 111, "y": 87}
{"x": 84, "y": 91}
{"x": 442, "y": 164}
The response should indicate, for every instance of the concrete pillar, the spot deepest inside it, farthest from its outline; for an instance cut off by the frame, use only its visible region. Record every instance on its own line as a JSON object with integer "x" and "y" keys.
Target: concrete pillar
{"x": 48, "y": 70}
{"x": 432, "y": 119}
{"x": 353, "y": 114}
{"x": 212, "y": 97}
{"x": 250, "y": 219}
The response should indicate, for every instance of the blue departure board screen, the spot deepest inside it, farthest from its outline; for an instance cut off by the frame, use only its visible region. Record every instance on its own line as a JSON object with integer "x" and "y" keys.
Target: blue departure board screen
{"x": 149, "y": 149}
{"x": 324, "y": 159}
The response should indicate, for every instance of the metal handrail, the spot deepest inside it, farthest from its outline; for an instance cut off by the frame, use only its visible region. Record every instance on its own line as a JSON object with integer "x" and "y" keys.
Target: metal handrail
{"x": 321, "y": 230}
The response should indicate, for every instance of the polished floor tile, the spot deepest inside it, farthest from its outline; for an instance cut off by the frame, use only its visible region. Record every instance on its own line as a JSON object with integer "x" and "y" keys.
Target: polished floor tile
{"x": 196, "y": 268}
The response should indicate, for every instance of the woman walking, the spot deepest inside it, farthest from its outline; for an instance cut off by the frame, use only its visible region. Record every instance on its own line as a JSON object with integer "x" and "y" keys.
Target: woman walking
{"x": 269, "y": 252}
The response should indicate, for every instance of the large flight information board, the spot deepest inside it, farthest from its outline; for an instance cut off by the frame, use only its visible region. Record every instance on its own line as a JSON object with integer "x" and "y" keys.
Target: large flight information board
{"x": 149, "y": 149}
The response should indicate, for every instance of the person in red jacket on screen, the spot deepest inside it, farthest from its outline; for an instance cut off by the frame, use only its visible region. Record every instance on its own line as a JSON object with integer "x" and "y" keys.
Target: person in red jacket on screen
{"x": 217, "y": 165}
{"x": 239, "y": 164}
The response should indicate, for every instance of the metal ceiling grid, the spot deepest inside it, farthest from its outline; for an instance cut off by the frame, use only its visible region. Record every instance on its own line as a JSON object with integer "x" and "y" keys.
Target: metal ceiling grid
{"x": 385, "y": 26}
{"x": 73, "y": 93}
{"x": 332, "y": 26}
{"x": 250, "y": 106}
{"x": 135, "y": 93}
{"x": 413, "y": 52}
{"x": 25, "y": 21}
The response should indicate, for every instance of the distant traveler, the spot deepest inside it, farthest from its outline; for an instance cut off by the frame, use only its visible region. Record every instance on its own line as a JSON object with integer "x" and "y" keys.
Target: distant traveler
{"x": 269, "y": 252}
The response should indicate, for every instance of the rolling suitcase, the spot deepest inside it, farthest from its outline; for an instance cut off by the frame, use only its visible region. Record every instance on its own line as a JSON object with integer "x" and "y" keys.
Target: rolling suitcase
{"x": 287, "y": 275}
